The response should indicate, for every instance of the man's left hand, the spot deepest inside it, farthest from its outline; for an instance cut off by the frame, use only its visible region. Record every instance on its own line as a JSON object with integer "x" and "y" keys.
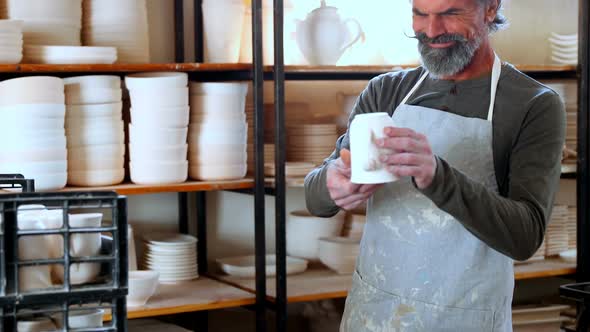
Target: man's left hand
{"x": 408, "y": 153}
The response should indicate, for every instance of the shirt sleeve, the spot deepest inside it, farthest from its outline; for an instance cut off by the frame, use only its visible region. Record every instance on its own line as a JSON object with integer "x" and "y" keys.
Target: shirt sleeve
{"x": 317, "y": 196}
{"x": 513, "y": 225}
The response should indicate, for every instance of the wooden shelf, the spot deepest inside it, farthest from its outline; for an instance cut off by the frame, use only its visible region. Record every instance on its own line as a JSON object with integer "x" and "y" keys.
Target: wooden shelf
{"x": 291, "y": 182}
{"x": 320, "y": 284}
{"x": 553, "y": 267}
{"x": 190, "y": 186}
{"x": 225, "y": 67}
{"x": 124, "y": 68}
{"x": 197, "y": 295}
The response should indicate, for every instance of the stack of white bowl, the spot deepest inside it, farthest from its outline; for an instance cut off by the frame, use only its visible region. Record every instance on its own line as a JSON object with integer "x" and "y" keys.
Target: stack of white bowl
{"x": 564, "y": 49}
{"x": 56, "y": 22}
{"x": 158, "y": 129}
{"x": 173, "y": 256}
{"x": 119, "y": 23}
{"x": 222, "y": 29}
{"x": 218, "y": 131}
{"x": 11, "y": 41}
{"x": 58, "y": 55}
{"x": 94, "y": 127}
{"x": 32, "y": 139}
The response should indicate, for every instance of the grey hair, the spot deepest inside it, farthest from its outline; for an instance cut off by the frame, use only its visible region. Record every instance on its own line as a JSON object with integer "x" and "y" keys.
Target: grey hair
{"x": 500, "y": 22}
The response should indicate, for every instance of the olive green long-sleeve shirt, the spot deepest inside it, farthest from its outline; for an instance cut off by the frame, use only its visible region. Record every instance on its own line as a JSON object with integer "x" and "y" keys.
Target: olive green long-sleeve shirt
{"x": 528, "y": 136}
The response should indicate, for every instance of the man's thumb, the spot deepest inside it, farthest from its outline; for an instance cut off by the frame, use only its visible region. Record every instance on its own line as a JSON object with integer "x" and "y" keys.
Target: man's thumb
{"x": 345, "y": 156}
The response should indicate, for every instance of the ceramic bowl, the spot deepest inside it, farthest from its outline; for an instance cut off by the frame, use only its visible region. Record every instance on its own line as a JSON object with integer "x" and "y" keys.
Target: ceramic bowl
{"x": 47, "y": 181}
{"x": 96, "y": 164}
{"x": 158, "y": 172}
{"x": 142, "y": 285}
{"x": 33, "y": 111}
{"x": 218, "y": 118}
{"x": 99, "y": 177}
{"x": 59, "y": 166}
{"x": 218, "y": 172}
{"x": 156, "y": 80}
{"x": 110, "y": 128}
{"x": 78, "y": 96}
{"x": 97, "y": 152}
{"x": 205, "y": 104}
{"x": 168, "y": 153}
{"x": 157, "y": 136}
{"x": 35, "y": 324}
{"x": 304, "y": 231}
{"x": 339, "y": 253}
{"x": 24, "y": 85}
{"x": 95, "y": 110}
{"x": 31, "y": 97}
{"x": 81, "y": 319}
{"x": 211, "y": 150}
{"x": 31, "y": 142}
{"x": 34, "y": 155}
{"x": 82, "y": 139}
{"x": 163, "y": 118}
{"x": 217, "y": 88}
{"x": 161, "y": 97}
{"x": 218, "y": 157}
{"x": 93, "y": 124}
{"x": 92, "y": 81}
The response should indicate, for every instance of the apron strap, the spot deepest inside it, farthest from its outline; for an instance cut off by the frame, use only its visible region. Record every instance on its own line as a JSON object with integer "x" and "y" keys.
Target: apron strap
{"x": 496, "y": 71}
{"x": 415, "y": 87}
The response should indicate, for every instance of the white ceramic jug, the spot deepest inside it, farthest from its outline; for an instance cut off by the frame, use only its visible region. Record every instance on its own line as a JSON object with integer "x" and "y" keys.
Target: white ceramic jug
{"x": 323, "y": 36}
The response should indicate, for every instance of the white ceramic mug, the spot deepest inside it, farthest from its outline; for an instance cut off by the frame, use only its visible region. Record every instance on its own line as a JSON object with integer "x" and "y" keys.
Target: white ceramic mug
{"x": 364, "y": 130}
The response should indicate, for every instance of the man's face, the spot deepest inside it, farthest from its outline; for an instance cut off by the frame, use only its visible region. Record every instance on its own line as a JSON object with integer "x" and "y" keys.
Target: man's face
{"x": 449, "y": 32}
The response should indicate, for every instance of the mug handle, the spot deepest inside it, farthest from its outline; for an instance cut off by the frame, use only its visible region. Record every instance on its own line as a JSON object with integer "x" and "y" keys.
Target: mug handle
{"x": 360, "y": 33}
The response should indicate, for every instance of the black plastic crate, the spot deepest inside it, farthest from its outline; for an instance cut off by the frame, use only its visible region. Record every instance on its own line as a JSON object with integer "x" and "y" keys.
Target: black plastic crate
{"x": 580, "y": 293}
{"x": 16, "y": 181}
{"x": 40, "y": 228}
{"x": 81, "y": 315}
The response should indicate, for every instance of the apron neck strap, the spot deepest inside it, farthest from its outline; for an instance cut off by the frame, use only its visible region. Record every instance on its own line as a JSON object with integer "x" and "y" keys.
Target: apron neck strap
{"x": 496, "y": 71}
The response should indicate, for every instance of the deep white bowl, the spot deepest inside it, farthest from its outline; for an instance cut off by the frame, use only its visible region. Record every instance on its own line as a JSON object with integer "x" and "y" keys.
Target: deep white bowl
{"x": 167, "y": 153}
{"x": 33, "y": 111}
{"x": 93, "y": 124}
{"x": 218, "y": 157}
{"x": 92, "y": 81}
{"x": 339, "y": 253}
{"x": 218, "y": 172}
{"x": 96, "y": 177}
{"x": 82, "y": 139}
{"x": 48, "y": 181}
{"x": 78, "y": 96}
{"x": 142, "y": 285}
{"x": 34, "y": 155}
{"x": 201, "y": 104}
{"x": 158, "y": 172}
{"x": 164, "y": 118}
{"x": 304, "y": 231}
{"x": 58, "y": 166}
{"x": 161, "y": 97}
{"x": 97, "y": 152}
{"x": 32, "y": 143}
{"x": 156, "y": 80}
{"x": 215, "y": 88}
{"x": 157, "y": 136}
{"x": 95, "y": 164}
{"x": 110, "y": 127}
{"x": 95, "y": 110}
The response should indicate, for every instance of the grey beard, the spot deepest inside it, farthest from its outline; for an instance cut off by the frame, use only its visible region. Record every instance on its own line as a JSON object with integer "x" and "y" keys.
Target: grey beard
{"x": 448, "y": 61}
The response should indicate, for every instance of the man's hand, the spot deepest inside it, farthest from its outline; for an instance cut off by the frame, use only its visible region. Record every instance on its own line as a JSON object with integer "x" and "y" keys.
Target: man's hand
{"x": 344, "y": 193}
{"x": 408, "y": 153}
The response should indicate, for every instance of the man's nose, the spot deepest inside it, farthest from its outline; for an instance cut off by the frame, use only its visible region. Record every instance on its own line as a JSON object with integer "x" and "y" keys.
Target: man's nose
{"x": 435, "y": 27}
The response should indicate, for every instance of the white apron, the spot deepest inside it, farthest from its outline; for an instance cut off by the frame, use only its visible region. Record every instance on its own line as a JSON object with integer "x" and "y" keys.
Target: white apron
{"x": 419, "y": 269}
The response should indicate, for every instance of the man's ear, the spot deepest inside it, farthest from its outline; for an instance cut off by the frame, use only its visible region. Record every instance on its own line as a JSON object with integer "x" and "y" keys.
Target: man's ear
{"x": 492, "y": 10}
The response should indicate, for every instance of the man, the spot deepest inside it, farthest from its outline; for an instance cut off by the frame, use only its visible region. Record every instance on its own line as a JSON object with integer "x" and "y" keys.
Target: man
{"x": 477, "y": 146}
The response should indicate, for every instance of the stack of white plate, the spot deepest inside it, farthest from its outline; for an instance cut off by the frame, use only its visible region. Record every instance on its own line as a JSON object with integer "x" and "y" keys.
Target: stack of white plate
{"x": 311, "y": 142}
{"x": 218, "y": 131}
{"x": 11, "y": 41}
{"x": 94, "y": 127}
{"x": 119, "y": 23}
{"x": 158, "y": 129}
{"x": 556, "y": 235}
{"x": 59, "y": 55}
{"x": 564, "y": 49}
{"x": 32, "y": 139}
{"x": 173, "y": 255}
{"x": 56, "y": 22}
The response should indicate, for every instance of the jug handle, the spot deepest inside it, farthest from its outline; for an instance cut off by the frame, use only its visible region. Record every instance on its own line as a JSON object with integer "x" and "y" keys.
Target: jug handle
{"x": 360, "y": 33}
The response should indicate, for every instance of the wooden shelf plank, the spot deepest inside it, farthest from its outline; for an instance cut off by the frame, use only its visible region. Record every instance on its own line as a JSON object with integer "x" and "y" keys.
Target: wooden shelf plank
{"x": 224, "y": 67}
{"x": 197, "y": 295}
{"x": 320, "y": 284}
{"x": 190, "y": 186}
{"x": 553, "y": 267}
{"x": 124, "y": 68}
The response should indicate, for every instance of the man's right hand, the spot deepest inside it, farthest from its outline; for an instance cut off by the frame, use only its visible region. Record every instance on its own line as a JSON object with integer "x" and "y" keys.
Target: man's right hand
{"x": 345, "y": 194}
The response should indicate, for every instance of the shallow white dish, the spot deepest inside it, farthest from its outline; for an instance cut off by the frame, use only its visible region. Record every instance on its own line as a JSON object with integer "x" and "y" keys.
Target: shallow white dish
{"x": 96, "y": 178}
{"x": 142, "y": 285}
{"x": 156, "y": 80}
{"x": 243, "y": 266}
{"x": 218, "y": 172}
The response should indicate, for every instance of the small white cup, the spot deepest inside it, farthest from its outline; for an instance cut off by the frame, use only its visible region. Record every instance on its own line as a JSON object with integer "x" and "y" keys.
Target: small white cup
{"x": 366, "y": 166}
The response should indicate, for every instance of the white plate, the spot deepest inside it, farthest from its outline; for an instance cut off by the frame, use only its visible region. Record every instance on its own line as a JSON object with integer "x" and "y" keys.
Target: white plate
{"x": 169, "y": 239}
{"x": 243, "y": 266}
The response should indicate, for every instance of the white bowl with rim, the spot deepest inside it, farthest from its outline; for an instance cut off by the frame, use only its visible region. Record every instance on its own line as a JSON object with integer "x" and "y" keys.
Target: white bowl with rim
{"x": 142, "y": 286}
{"x": 158, "y": 172}
{"x": 160, "y": 97}
{"x": 156, "y": 80}
{"x": 304, "y": 231}
{"x": 92, "y": 81}
{"x": 218, "y": 172}
{"x": 79, "y": 96}
{"x": 93, "y": 178}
